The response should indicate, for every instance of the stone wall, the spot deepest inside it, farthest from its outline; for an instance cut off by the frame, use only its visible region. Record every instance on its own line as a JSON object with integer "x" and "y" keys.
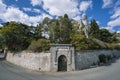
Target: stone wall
{"x": 46, "y": 61}
{"x": 34, "y": 61}
{"x": 87, "y": 58}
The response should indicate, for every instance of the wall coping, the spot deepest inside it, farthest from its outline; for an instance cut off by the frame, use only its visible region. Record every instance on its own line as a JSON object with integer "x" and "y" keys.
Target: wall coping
{"x": 97, "y": 50}
{"x": 67, "y": 45}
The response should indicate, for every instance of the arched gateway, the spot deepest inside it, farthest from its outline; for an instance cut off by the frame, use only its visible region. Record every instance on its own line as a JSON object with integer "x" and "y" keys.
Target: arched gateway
{"x": 62, "y": 57}
{"x": 62, "y": 63}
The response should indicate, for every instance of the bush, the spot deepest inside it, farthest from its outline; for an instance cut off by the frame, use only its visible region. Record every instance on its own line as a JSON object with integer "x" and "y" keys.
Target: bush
{"x": 39, "y": 45}
{"x": 113, "y": 46}
{"x": 93, "y": 44}
{"x": 2, "y": 41}
{"x": 102, "y": 58}
{"x": 80, "y": 42}
{"x": 109, "y": 57}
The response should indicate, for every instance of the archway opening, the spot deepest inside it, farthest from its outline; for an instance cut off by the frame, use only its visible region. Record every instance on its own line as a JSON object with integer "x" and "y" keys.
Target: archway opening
{"x": 62, "y": 63}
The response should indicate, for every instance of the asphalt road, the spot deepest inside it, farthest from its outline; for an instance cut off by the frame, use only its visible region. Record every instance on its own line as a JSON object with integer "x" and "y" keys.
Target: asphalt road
{"x": 9, "y": 71}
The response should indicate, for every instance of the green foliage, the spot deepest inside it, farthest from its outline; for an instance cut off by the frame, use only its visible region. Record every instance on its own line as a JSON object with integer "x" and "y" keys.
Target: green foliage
{"x": 66, "y": 16}
{"x": 118, "y": 40}
{"x": 101, "y": 34}
{"x": 54, "y": 32}
{"x": 38, "y": 33}
{"x": 94, "y": 30}
{"x": 17, "y": 36}
{"x": 94, "y": 44}
{"x": 2, "y": 41}
{"x": 114, "y": 46}
{"x": 65, "y": 29}
{"x": 105, "y": 35}
{"x": 109, "y": 57}
{"x": 39, "y": 45}
{"x": 58, "y": 29}
{"x": 102, "y": 58}
{"x": 79, "y": 41}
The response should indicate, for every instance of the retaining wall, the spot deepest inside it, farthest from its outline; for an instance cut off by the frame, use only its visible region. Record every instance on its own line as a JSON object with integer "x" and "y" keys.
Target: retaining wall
{"x": 34, "y": 61}
{"x": 43, "y": 61}
{"x": 87, "y": 58}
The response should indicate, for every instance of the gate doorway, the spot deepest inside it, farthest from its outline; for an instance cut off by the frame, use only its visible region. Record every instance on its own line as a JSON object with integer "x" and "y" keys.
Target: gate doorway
{"x": 62, "y": 63}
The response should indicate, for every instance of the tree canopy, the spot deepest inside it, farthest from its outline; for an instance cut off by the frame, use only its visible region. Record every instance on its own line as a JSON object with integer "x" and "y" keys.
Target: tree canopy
{"x": 17, "y": 36}
{"x": 63, "y": 30}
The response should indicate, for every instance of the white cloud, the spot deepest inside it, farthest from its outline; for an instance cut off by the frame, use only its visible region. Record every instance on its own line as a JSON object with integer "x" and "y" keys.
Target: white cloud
{"x": 36, "y": 2}
{"x": 98, "y": 22}
{"x": 60, "y": 7}
{"x": 19, "y": 16}
{"x": 27, "y": 9}
{"x": 8, "y": 13}
{"x": 77, "y": 18}
{"x": 9, "y": 16}
{"x": 106, "y": 3}
{"x": 44, "y": 15}
{"x": 117, "y": 4}
{"x": 110, "y": 28}
{"x": 115, "y": 22}
{"x": 37, "y": 10}
{"x": 116, "y": 13}
{"x": 84, "y": 5}
{"x": 1, "y": 25}
{"x": 2, "y": 7}
{"x": 34, "y": 20}
{"x": 32, "y": 10}
{"x": 115, "y": 17}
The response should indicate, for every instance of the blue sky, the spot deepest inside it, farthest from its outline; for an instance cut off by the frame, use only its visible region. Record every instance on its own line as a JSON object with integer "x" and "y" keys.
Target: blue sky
{"x": 32, "y": 12}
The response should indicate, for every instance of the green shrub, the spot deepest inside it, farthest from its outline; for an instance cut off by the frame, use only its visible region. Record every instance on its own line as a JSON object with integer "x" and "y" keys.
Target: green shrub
{"x": 102, "y": 58}
{"x": 93, "y": 44}
{"x": 109, "y": 57}
{"x": 39, "y": 45}
{"x": 2, "y": 41}
{"x": 114, "y": 46}
{"x": 80, "y": 42}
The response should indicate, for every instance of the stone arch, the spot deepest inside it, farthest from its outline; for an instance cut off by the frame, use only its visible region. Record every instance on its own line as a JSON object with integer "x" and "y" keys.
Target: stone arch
{"x": 59, "y": 52}
{"x": 62, "y": 63}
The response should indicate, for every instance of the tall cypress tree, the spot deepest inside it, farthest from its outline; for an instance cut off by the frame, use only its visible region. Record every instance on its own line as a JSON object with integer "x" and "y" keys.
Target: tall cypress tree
{"x": 94, "y": 30}
{"x": 65, "y": 29}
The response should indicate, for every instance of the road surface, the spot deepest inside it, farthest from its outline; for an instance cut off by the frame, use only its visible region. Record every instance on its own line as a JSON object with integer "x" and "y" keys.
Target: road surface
{"x": 9, "y": 71}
